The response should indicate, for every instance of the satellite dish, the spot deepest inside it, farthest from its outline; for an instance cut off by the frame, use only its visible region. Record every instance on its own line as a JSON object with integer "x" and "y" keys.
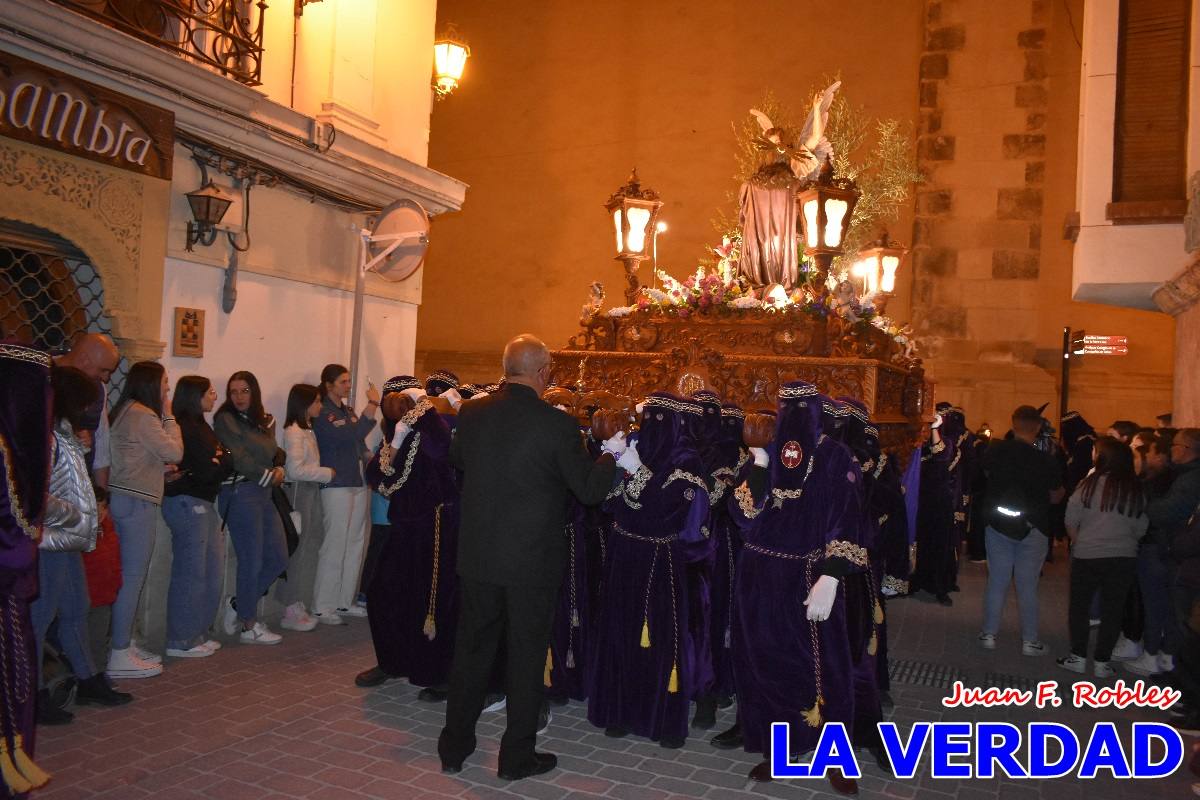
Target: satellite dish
{"x": 397, "y": 242}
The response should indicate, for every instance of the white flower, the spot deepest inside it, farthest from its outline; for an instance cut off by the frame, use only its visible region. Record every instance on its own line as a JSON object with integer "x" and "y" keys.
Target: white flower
{"x": 746, "y": 302}
{"x": 620, "y": 311}
{"x": 656, "y": 295}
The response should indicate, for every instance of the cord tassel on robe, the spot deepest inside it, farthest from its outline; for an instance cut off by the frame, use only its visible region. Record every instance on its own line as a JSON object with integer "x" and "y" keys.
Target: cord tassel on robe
{"x": 32, "y": 772}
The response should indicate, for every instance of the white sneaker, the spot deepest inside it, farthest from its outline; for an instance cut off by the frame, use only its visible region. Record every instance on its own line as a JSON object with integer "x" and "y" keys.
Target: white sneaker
{"x": 329, "y": 618}
{"x": 1126, "y": 649}
{"x": 213, "y": 644}
{"x": 259, "y": 634}
{"x": 1073, "y": 663}
{"x": 1094, "y": 623}
{"x": 353, "y": 611}
{"x": 144, "y": 654}
{"x": 1166, "y": 662}
{"x": 498, "y": 705}
{"x": 124, "y": 664}
{"x": 987, "y": 641}
{"x": 1146, "y": 664}
{"x": 199, "y": 651}
{"x": 1101, "y": 669}
{"x": 1033, "y": 648}
{"x": 229, "y": 620}
{"x": 295, "y": 618}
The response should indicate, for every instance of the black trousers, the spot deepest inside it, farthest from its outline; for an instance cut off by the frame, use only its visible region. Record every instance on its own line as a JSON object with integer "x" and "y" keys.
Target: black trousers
{"x": 1112, "y": 577}
{"x": 521, "y": 617}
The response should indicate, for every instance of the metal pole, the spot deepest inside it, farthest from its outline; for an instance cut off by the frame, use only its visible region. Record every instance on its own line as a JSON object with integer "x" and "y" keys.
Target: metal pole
{"x": 356, "y": 326}
{"x": 1066, "y": 375}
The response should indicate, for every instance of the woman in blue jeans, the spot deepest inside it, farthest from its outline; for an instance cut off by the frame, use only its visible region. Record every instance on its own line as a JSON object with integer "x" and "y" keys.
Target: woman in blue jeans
{"x": 197, "y": 544}
{"x": 247, "y": 431}
{"x": 142, "y": 443}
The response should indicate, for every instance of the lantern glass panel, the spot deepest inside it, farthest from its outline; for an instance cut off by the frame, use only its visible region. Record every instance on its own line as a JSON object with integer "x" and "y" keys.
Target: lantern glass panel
{"x": 835, "y": 213}
{"x": 810, "y": 222}
{"x": 890, "y": 265}
{"x": 618, "y": 223}
{"x": 638, "y": 218}
{"x": 449, "y": 58}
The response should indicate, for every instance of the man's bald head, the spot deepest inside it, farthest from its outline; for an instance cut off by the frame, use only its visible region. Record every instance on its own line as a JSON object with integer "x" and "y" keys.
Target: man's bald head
{"x": 525, "y": 361}
{"x": 95, "y": 355}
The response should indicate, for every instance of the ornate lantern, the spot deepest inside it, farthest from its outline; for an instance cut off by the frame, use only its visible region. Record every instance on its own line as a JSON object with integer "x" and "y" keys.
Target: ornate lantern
{"x": 449, "y": 59}
{"x": 877, "y": 266}
{"x": 634, "y": 211}
{"x": 209, "y": 205}
{"x": 826, "y": 206}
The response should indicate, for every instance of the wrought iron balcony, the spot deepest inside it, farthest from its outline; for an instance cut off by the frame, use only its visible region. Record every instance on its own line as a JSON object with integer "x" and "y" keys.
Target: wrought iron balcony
{"x": 224, "y": 35}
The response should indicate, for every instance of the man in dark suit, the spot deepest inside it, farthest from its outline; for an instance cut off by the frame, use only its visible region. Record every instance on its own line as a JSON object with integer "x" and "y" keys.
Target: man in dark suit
{"x": 521, "y": 459}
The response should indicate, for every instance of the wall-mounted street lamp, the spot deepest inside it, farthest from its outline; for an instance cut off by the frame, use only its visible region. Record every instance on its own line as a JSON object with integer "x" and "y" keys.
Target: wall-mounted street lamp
{"x": 450, "y": 56}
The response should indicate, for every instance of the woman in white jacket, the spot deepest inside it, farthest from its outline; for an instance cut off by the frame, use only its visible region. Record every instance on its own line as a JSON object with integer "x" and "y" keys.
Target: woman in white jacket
{"x": 306, "y": 475}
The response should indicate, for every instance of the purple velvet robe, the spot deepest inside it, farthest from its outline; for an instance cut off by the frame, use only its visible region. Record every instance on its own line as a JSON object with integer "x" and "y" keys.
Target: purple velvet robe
{"x": 937, "y": 538}
{"x": 806, "y": 523}
{"x": 572, "y": 618}
{"x": 703, "y": 429}
{"x": 642, "y": 672}
{"x": 734, "y": 467}
{"x": 25, "y": 406}
{"x": 413, "y": 594}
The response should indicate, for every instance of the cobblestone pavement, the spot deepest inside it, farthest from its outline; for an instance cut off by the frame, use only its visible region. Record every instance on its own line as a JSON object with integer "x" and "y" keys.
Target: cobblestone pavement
{"x": 287, "y": 721}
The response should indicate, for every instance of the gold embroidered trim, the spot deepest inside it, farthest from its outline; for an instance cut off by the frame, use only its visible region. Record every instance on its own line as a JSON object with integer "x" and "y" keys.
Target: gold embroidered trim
{"x": 745, "y": 499}
{"x": 684, "y": 475}
{"x": 895, "y": 584}
{"x": 883, "y": 459}
{"x": 14, "y": 499}
{"x": 797, "y": 391}
{"x": 385, "y": 459}
{"x": 634, "y": 484}
{"x": 954, "y": 463}
{"x": 416, "y": 412}
{"x": 960, "y": 516}
{"x": 840, "y": 548}
{"x": 733, "y": 412}
{"x": 681, "y": 406}
{"x": 408, "y": 465}
{"x": 27, "y": 354}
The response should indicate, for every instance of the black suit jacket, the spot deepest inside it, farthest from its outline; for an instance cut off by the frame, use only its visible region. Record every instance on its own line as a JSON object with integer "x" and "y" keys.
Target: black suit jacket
{"x": 521, "y": 460}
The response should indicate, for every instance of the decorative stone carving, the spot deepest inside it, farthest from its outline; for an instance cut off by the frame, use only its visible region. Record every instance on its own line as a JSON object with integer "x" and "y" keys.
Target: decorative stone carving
{"x": 1181, "y": 292}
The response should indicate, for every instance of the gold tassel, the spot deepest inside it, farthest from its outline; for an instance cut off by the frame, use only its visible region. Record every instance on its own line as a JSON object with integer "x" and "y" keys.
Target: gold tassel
{"x": 645, "y": 632}
{"x": 549, "y": 666}
{"x": 570, "y": 659}
{"x": 574, "y": 619}
{"x": 878, "y": 613}
{"x": 430, "y": 628}
{"x": 813, "y": 715}
{"x": 13, "y": 778}
{"x": 873, "y": 645}
{"x": 673, "y": 682}
{"x": 36, "y": 775}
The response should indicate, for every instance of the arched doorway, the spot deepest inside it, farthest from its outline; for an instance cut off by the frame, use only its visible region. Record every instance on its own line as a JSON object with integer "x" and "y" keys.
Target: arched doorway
{"x": 50, "y": 292}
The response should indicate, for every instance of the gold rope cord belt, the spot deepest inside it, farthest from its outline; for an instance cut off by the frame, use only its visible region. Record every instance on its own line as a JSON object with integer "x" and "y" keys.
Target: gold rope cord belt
{"x": 430, "y": 628}
{"x": 658, "y": 542}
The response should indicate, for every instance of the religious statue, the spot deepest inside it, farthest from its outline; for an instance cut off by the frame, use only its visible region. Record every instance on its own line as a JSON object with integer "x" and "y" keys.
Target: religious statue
{"x": 768, "y": 199}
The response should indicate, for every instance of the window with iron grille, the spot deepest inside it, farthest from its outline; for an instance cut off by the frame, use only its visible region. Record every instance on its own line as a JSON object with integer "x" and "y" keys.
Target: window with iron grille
{"x": 50, "y": 293}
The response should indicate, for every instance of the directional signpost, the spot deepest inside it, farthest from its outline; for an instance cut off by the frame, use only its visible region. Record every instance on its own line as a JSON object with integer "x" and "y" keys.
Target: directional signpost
{"x": 1078, "y": 343}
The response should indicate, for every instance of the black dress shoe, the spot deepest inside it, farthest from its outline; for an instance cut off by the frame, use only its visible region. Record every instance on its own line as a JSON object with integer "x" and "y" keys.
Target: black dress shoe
{"x": 671, "y": 742}
{"x": 50, "y": 714}
{"x": 724, "y": 701}
{"x": 433, "y": 694}
{"x": 616, "y": 732}
{"x": 944, "y": 599}
{"x": 761, "y": 772}
{"x": 539, "y": 765}
{"x": 706, "y": 713}
{"x": 95, "y": 691}
{"x": 451, "y": 769}
{"x": 728, "y": 740}
{"x": 840, "y": 783}
{"x": 557, "y": 700}
{"x": 375, "y": 676}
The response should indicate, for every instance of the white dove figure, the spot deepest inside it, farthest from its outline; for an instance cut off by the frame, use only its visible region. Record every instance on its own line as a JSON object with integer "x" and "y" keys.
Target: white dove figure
{"x": 812, "y": 138}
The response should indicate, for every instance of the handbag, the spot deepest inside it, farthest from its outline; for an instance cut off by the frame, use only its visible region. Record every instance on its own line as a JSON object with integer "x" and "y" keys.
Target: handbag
{"x": 102, "y": 566}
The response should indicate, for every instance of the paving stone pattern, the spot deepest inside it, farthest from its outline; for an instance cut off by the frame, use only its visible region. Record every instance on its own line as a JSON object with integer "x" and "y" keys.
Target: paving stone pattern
{"x": 264, "y": 723}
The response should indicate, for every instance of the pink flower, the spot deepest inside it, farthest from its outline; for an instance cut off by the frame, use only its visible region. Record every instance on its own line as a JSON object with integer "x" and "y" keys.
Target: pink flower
{"x": 705, "y": 301}
{"x": 683, "y": 312}
{"x": 643, "y": 303}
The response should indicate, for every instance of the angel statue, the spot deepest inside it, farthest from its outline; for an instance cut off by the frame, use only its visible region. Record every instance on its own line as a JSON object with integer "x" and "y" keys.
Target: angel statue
{"x": 768, "y": 199}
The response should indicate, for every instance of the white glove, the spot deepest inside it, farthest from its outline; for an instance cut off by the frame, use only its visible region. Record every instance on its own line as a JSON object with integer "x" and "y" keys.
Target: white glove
{"x": 414, "y": 394}
{"x": 480, "y": 395}
{"x": 453, "y": 397}
{"x": 761, "y": 457}
{"x": 402, "y": 431}
{"x": 637, "y": 409}
{"x": 888, "y": 591}
{"x": 937, "y": 422}
{"x": 615, "y": 445}
{"x": 629, "y": 460}
{"x": 820, "y": 599}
